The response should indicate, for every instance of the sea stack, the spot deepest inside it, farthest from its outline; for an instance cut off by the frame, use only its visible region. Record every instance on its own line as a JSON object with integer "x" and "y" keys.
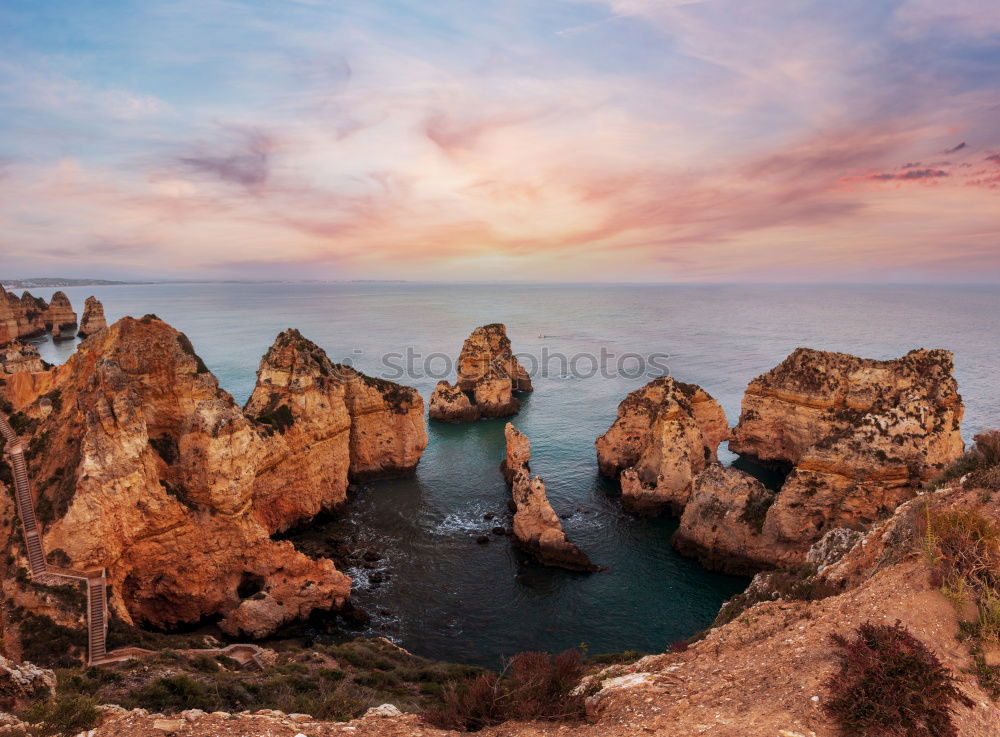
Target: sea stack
{"x": 537, "y": 529}
{"x": 859, "y": 436}
{"x": 517, "y": 455}
{"x": 60, "y": 319}
{"x": 488, "y": 376}
{"x": 93, "y": 318}
{"x": 665, "y": 434}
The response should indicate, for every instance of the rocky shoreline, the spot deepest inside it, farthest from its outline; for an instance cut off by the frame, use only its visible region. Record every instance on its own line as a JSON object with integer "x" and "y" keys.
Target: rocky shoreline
{"x": 145, "y": 467}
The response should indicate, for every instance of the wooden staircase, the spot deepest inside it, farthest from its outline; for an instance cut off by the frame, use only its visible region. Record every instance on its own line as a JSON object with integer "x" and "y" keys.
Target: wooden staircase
{"x": 96, "y": 580}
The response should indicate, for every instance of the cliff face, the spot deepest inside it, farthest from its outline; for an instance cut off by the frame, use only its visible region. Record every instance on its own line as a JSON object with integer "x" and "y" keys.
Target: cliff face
{"x": 328, "y": 425}
{"x": 93, "y": 318}
{"x": 31, "y": 317}
{"x": 860, "y": 436}
{"x": 143, "y": 465}
{"x": 815, "y": 396}
{"x": 664, "y": 435}
{"x": 488, "y": 376}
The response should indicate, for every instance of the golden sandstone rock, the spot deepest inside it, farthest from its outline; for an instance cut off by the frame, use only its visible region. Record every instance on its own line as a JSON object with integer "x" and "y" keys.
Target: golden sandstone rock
{"x": 665, "y": 435}
{"x": 143, "y": 465}
{"x": 860, "y": 436}
{"x": 31, "y": 317}
{"x": 537, "y": 529}
{"x": 488, "y": 376}
{"x": 93, "y": 318}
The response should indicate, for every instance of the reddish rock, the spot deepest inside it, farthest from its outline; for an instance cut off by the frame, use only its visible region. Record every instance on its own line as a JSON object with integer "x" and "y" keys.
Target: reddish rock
{"x": 93, "y": 319}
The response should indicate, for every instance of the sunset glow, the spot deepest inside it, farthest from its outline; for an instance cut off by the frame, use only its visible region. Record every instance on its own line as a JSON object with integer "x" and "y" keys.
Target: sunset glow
{"x": 561, "y": 140}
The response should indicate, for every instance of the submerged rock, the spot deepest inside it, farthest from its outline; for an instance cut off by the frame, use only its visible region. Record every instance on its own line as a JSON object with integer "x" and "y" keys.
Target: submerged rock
{"x": 664, "y": 435}
{"x": 93, "y": 318}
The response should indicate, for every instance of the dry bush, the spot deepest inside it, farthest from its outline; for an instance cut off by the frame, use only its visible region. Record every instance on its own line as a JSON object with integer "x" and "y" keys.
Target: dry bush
{"x": 890, "y": 684}
{"x": 533, "y": 686}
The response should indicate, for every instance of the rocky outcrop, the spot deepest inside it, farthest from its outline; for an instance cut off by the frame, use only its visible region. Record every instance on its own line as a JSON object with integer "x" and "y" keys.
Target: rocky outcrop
{"x": 488, "y": 376}
{"x": 143, "y": 465}
{"x": 664, "y": 435}
{"x": 16, "y": 358}
{"x": 860, "y": 437}
{"x": 93, "y": 318}
{"x": 328, "y": 424}
{"x": 22, "y": 317}
{"x": 22, "y": 684}
{"x": 451, "y": 404}
{"x": 537, "y": 529}
{"x": 909, "y": 407}
{"x": 721, "y": 524}
{"x": 32, "y": 317}
{"x": 517, "y": 454}
{"x": 60, "y": 319}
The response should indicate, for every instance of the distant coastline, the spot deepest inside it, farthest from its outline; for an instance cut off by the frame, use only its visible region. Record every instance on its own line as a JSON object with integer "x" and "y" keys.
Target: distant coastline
{"x": 59, "y": 282}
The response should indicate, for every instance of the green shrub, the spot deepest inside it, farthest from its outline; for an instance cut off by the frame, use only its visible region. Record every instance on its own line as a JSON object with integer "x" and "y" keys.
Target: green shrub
{"x": 49, "y": 644}
{"x": 63, "y": 715}
{"x": 890, "y": 684}
{"x": 176, "y": 693}
{"x": 755, "y": 510}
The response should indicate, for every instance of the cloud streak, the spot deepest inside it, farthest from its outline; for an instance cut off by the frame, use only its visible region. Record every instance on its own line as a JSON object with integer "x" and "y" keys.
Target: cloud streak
{"x": 625, "y": 140}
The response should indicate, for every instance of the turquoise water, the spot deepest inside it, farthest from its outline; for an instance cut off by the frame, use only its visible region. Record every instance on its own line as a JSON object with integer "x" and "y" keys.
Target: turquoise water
{"x": 443, "y": 595}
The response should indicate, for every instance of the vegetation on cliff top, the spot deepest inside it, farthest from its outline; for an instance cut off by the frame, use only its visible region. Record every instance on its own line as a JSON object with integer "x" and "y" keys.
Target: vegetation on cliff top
{"x": 890, "y": 684}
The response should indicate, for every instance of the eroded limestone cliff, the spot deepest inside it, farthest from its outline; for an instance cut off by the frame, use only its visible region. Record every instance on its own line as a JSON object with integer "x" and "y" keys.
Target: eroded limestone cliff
{"x": 31, "y": 317}
{"x": 665, "y": 434}
{"x": 143, "y": 465}
{"x": 861, "y": 436}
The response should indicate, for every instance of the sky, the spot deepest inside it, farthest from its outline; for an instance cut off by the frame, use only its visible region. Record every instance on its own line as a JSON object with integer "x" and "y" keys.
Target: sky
{"x": 511, "y": 140}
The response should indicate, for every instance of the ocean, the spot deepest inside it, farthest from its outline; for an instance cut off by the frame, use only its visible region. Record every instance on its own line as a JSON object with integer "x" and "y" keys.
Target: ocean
{"x": 437, "y": 592}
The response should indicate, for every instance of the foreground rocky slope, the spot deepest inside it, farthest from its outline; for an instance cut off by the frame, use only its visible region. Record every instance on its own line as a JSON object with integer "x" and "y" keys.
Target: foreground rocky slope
{"x": 860, "y": 436}
{"x": 488, "y": 376}
{"x": 143, "y": 465}
{"x": 664, "y": 436}
{"x": 537, "y": 529}
{"x": 764, "y": 673}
